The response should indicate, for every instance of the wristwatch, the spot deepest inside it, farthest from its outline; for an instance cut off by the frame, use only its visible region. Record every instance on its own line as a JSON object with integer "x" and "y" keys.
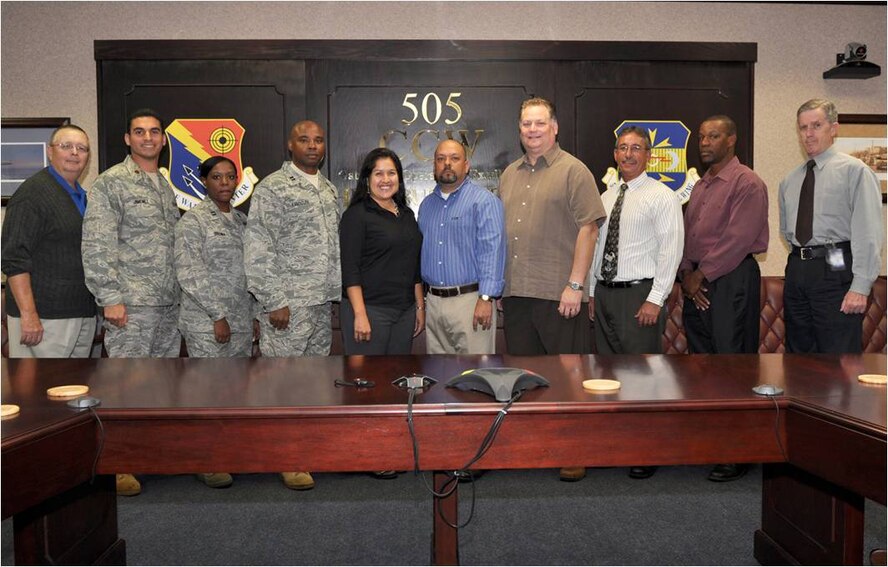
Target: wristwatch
{"x": 486, "y": 297}
{"x": 575, "y": 286}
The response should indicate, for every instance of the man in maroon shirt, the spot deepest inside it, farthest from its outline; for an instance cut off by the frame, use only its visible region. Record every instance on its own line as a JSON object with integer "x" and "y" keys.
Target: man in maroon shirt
{"x": 726, "y": 222}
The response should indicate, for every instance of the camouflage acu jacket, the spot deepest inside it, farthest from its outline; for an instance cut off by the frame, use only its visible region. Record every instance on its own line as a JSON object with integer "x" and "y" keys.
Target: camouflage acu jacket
{"x": 291, "y": 246}
{"x": 128, "y": 238}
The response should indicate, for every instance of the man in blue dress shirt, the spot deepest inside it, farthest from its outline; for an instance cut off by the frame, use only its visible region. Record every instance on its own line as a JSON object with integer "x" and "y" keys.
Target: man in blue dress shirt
{"x": 463, "y": 257}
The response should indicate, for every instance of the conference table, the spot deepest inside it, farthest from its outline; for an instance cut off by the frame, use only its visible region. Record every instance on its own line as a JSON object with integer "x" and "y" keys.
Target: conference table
{"x": 823, "y": 442}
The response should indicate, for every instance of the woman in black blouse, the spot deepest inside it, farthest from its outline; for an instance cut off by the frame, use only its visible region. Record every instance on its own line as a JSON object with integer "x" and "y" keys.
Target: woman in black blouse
{"x": 382, "y": 308}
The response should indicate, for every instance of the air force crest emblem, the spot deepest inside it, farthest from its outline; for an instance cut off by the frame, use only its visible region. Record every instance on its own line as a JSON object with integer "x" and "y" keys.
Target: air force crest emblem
{"x": 193, "y": 140}
{"x": 668, "y": 163}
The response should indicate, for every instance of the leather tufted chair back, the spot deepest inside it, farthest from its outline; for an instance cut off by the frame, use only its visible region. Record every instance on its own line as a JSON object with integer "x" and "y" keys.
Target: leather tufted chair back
{"x": 772, "y": 328}
{"x": 874, "y": 335}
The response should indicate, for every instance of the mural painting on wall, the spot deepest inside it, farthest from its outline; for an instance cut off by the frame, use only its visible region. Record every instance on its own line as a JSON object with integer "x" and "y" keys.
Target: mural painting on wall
{"x": 668, "y": 163}
{"x": 411, "y": 121}
{"x": 193, "y": 140}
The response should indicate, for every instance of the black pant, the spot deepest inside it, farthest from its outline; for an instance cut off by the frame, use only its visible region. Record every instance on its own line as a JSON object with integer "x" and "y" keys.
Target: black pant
{"x": 812, "y": 296}
{"x": 731, "y": 324}
{"x": 533, "y": 326}
{"x": 617, "y": 330}
{"x": 391, "y": 329}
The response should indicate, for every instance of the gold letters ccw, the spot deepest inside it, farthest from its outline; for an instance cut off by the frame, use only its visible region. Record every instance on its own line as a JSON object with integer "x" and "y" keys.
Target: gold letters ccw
{"x": 432, "y": 111}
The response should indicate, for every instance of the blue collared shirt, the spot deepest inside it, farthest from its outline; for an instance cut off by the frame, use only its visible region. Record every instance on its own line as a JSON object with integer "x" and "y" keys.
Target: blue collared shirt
{"x": 78, "y": 195}
{"x": 463, "y": 239}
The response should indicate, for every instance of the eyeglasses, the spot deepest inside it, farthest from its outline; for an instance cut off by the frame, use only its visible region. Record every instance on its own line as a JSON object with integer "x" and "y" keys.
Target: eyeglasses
{"x": 633, "y": 149}
{"x": 68, "y": 146}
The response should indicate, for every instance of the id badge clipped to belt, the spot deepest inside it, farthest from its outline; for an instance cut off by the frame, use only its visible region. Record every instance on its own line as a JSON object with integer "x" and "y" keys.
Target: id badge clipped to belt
{"x": 835, "y": 258}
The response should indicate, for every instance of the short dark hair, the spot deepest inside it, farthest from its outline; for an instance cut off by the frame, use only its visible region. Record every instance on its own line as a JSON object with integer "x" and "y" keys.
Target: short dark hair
{"x": 67, "y": 127}
{"x": 143, "y": 112}
{"x": 362, "y": 191}
{"x": 539, "y": 101}
{"x": 208, "y": 164}
{"x": 729, "y": 123}
{"x": 638, "y": 131}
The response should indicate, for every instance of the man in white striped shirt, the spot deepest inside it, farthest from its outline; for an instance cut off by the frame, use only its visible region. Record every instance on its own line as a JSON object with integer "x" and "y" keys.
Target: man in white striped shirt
{"x": 632, "y": 285}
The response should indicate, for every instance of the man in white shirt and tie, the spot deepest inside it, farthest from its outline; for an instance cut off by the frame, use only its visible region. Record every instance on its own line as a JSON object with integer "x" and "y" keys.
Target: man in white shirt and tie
{"x": 637, "y": 254}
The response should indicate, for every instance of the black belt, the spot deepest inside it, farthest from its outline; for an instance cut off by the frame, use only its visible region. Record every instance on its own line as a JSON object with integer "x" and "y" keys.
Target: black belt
{"x": 819, "y": 251}
{"x": 623, "y": 284}
{"x": 453, "y": 291}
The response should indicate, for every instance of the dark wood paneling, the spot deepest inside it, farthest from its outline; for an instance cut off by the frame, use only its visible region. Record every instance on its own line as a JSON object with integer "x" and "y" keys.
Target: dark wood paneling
{"x": 266, "y": 97}
{"x": 362, "y": 102}
{"x": 355, "y": 89}
{"x": 425, "y": 50}
{"x": 595, "y": 97}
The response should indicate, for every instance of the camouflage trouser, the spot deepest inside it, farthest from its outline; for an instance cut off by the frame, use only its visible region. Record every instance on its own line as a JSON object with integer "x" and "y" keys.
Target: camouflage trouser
{"x": 150, "y": 332}
{"x": 310, "y": 333}
{"x": 204, "y": 345}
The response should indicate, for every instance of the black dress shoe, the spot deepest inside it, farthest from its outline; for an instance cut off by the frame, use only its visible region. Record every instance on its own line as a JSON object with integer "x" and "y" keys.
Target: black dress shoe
{"x": 384, "y": 475}
{"x": 728, "y": 472}
{"x": 642, "y": 472}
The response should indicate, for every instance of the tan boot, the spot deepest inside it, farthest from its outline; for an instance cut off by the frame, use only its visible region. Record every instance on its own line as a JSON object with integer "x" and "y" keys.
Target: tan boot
{"x": 216, "y": 479}
{"x": 573, "y": 474}
{"x": 128, "y": 485}
{"x": 298, "y": 480}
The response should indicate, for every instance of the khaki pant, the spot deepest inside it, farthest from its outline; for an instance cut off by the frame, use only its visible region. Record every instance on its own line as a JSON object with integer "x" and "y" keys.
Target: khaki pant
{"x": 449, "y": 326}
{"x": 62, "y": 338}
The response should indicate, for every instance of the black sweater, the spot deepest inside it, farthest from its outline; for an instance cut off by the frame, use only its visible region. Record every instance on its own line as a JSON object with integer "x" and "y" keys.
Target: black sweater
{"x": 41, "y": 236}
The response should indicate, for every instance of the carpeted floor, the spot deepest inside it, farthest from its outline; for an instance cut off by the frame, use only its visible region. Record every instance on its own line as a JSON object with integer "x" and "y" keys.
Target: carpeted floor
{"x": 676, "y": 517}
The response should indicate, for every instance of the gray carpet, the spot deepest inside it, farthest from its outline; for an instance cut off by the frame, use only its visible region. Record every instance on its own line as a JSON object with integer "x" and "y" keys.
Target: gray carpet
{"x": 676, "y": 517}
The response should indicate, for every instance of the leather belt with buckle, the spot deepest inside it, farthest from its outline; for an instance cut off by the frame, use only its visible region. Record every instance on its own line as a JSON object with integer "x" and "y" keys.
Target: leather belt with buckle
{"x": 453, "y": 291}
{"x": 623, "y": 284}
{"x": 818, "y": 251}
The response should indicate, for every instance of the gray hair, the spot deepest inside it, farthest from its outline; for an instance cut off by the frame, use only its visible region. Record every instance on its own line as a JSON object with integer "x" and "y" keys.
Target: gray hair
{"x": 828, "y": 107}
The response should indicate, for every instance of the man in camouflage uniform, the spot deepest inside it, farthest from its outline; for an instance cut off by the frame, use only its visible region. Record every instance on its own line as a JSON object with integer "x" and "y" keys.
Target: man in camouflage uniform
{"x": 291, "y": 256}
{"x": 128, "y": 253}
{"x": 291, "y": 250}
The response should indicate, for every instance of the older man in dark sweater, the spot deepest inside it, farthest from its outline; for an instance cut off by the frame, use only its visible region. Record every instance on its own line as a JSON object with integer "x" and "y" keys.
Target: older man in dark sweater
{"x": 51, "y": 313}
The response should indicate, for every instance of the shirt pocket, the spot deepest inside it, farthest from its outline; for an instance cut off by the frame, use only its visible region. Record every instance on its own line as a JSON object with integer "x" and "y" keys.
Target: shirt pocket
{"x": 145, "y": 218}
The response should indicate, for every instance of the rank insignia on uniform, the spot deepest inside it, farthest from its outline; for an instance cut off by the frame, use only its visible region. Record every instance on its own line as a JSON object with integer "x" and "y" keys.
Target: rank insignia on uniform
{"x": 193, "y": 140}
{"x": 668, "y": 163}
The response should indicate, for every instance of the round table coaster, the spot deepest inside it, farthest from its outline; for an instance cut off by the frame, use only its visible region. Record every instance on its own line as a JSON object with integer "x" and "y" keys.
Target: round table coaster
{"x": 70, "y": 391}
{"x": 9, "y": 410}
{"x": 601, "y": 385}
{"x": 873, "y": 378}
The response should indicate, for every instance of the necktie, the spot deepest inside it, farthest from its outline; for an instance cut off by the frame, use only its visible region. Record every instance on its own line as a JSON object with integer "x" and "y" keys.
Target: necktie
{"x": 805, "y": 218}
{"x": 612, "y": 244}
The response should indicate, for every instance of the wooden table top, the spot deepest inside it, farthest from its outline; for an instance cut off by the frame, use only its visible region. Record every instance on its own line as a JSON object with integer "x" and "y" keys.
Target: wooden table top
{"x": 305, "y": 386}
